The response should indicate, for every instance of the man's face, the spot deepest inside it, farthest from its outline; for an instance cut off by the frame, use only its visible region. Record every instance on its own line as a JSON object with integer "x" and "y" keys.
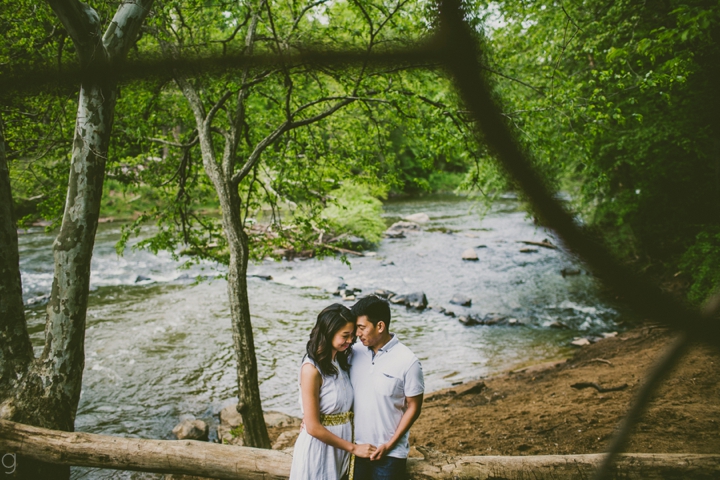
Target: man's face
{"x": 368, "y": 333}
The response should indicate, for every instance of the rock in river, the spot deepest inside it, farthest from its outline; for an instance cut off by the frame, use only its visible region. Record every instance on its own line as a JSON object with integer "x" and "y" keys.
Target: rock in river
{"x": 191, "y": 430}
{"x": 417, "y": 218}
{"x": 569, "y": 272}
{"x": 417, "y": 300}
{"x": 382, "y": 293}
{"x": 39, "y": 300}
{"x": 462, "y": 300}
{"x": 470, "y": 254}
{"x": 468, "y": 320}
{"x": 398, "y": 299}
{"x": 494, "y": 319}
{"x": 399, "y": 229}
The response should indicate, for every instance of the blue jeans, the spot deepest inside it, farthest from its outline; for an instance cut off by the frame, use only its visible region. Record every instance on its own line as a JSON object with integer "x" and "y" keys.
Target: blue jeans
{"x": 387, "y": 468}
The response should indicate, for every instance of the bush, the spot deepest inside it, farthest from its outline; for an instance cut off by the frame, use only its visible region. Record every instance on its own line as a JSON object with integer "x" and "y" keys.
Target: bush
{"x": 355, "y": 211}
{"x": 702, "y": 260}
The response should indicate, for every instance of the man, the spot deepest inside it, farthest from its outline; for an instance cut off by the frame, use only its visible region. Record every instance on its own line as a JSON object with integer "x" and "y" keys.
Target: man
{"x": 388, "y": 382}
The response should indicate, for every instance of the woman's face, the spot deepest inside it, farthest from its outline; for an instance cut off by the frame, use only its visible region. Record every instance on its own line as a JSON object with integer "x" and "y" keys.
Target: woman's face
{"x": 343, "y": 338}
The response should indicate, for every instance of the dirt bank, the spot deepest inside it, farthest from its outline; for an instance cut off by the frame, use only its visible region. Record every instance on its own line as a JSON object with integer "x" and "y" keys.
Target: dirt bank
{"x": 537, "y": 412}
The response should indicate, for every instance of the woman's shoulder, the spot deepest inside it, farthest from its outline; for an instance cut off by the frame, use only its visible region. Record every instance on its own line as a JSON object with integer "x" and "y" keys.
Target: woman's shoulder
{"x": 309, "y": 361}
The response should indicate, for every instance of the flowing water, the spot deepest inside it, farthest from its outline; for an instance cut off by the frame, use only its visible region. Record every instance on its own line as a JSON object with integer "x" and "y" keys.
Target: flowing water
{"x": 158, "y": 343}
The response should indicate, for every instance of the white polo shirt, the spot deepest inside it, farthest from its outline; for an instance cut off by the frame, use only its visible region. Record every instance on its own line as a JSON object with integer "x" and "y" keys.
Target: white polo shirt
{"x": 381, "y": 382}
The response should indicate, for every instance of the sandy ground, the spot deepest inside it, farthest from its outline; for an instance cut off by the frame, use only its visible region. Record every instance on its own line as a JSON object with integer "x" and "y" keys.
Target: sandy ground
{"x": 535, "y": 411}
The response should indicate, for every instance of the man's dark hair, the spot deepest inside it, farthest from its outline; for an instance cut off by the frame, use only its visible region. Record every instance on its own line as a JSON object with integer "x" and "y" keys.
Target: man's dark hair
{"x": 374, "y": 308}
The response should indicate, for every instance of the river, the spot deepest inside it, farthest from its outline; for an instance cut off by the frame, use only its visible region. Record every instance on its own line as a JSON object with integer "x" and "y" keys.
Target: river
{"x": 159, "y": 349}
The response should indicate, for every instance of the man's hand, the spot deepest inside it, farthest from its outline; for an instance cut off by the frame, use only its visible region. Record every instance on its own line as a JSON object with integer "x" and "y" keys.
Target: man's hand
{"x": 381, "y": 451}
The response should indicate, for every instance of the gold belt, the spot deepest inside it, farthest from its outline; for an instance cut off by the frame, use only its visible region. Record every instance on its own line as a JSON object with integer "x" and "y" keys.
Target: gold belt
{"x": 335, "y": 419}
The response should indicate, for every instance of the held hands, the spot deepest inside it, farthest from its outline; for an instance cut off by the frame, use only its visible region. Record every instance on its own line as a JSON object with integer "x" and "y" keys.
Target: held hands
{"x": 380, "y": 451}
{"x": 363, "y": 450}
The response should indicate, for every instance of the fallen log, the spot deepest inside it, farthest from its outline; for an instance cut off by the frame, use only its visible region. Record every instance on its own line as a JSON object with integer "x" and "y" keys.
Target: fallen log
{"x": 188, "y": 457}
{"x": 629, "y": 466}
{"x": 212, "y": 460}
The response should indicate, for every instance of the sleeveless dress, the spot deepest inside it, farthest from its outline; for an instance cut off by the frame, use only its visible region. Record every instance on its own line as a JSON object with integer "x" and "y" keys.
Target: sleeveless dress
{"x": 312, "y": 458}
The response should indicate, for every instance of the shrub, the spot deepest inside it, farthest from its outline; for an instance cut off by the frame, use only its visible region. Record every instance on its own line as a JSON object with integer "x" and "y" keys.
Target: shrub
{"x": 355, "y": 211}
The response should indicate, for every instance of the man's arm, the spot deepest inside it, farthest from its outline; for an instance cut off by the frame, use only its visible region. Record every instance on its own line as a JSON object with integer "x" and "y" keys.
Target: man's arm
{"x": 414, "y": 406}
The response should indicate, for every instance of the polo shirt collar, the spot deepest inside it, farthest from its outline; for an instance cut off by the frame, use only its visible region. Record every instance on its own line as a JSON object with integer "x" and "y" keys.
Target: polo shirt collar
{"x": 388, "y": 346}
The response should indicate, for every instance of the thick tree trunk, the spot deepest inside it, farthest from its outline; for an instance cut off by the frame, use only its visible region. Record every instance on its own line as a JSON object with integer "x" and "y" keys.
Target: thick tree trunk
{"x": 49, "y": 393}
{"x": 230, "y": 462}
{"x": 15, "y": 349}
{"x": 249, "y": 405}
{"x": 49, "y": 396}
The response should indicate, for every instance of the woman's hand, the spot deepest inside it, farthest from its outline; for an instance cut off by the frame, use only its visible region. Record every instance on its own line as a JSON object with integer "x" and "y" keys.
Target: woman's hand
{"x": 363, "y": 451}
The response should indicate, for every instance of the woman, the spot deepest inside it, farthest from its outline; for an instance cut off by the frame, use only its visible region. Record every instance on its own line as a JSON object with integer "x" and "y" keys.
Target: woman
{"x": 323, "y": 449}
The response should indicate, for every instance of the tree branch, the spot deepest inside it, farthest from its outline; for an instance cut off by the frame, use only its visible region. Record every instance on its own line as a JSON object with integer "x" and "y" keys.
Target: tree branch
{"x": 218, "y": 105}
{"x": 239, "y": 123}
{"x": 125, "y": 26}
{"x": 288, "y": 79}
{"x": 192, "y": 142}
{"x": 327, "y": 99}
{"x": 320, "y": 116}
{"x": 259, "y": 149}
{"x": 302, "y": 14}
{"x": 82, "y": 24}
{"x": 538, "y": 90}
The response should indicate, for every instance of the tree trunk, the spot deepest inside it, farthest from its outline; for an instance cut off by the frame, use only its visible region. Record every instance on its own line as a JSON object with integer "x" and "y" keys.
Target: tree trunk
{"x": 15, "y": 349}
{"x": 49, "y": 393}
{"x": 249, "y": 404}
{"x": 229, "y": 462}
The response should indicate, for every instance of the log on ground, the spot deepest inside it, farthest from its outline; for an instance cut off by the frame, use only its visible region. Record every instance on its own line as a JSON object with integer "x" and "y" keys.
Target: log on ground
{"x": 629, "y": 466}
{"x": 204, "y": 459}
{"x": 188, "y": 457}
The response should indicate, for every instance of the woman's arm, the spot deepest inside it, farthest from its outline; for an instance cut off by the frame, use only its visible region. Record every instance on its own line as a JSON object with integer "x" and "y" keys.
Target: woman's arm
{"x": 310, "y": 382}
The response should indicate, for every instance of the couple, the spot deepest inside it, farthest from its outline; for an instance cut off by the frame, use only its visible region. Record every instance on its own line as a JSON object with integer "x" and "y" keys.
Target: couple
{"x": 380, "y": 383}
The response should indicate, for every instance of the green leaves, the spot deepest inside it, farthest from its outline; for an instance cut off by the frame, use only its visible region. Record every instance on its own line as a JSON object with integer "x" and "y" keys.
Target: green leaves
{"x": 620, "y": 113}
{"x": 354, "y": 210}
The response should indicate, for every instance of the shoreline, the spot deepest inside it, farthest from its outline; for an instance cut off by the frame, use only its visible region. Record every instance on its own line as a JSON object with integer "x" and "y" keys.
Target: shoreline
{"x": 534, "y": 410}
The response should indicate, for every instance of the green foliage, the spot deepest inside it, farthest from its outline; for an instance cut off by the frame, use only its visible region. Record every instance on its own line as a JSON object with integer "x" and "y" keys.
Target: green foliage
{"x": 701, "y": 260}
{"x": 236, "y": 432}
{"x": 618, "y": 105}
{"x": 354, "y": 210}
{"x": 38, "y": 129}
{"x": 401, "y": 127}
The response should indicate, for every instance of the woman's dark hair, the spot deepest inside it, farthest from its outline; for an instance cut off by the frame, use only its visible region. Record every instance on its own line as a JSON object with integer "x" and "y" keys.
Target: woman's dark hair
{"x": 319, "y": 347}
